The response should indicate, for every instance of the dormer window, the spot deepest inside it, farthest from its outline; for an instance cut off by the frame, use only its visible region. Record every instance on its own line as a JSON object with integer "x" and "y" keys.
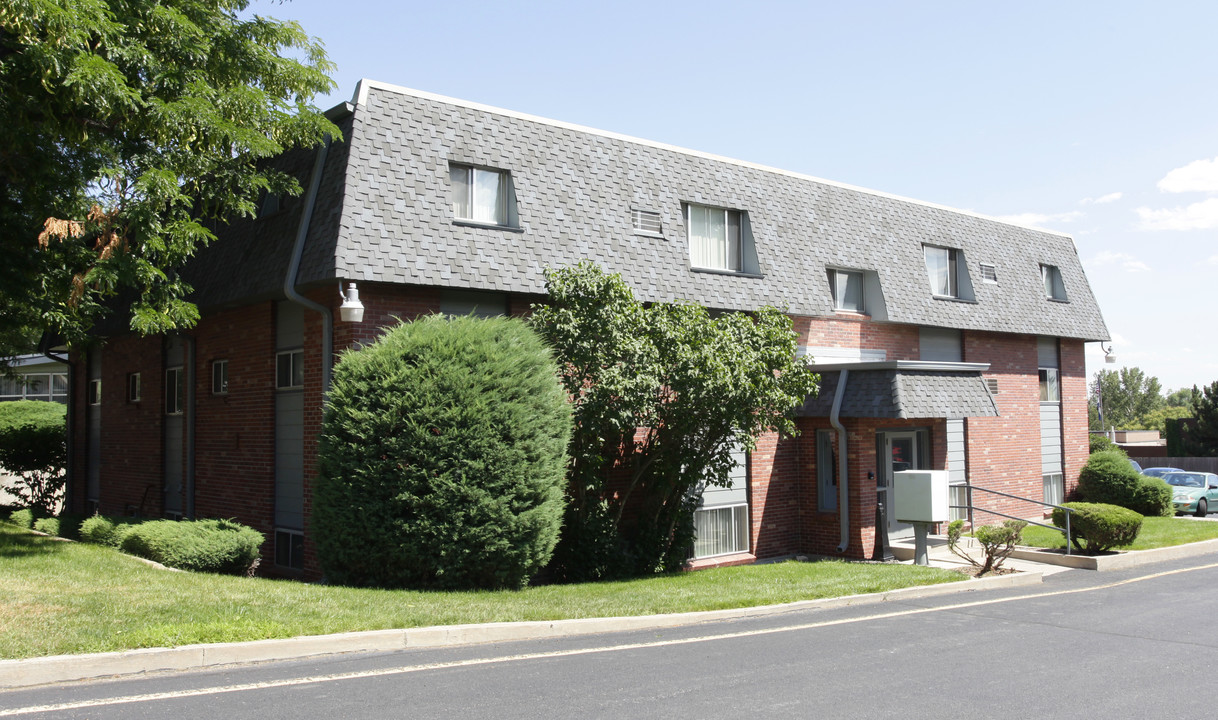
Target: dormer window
{"x": 482, "y": 195}
{"x": 846, "y": 287}
{"x": 1051, "y": 277}
{"x": 941, "y": 268}
{"x": 715, "y": 238}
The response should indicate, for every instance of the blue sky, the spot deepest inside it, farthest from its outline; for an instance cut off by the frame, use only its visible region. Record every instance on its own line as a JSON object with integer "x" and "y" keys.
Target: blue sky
{"x": 1098, "y": 119}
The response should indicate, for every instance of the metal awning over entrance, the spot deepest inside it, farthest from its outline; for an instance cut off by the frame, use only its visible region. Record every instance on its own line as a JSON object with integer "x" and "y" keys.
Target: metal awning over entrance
{"x": 904, "y": 389}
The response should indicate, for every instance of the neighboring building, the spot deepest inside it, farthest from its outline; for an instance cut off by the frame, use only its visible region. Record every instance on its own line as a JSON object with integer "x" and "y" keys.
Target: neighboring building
{"x": 36, "y": 377}
{"x": 945, "y": 339}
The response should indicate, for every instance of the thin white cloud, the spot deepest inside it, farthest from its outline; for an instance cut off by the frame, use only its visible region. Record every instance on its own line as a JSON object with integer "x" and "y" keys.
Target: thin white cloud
{"x": 1198, "y": 216}
{"x": 1102, "y": 199}
{"x": 1128, "y": 262}
{"x": 1212, "y": 260}
{"x": 1197, "y": 176}
{"x": 1040, "y": 219}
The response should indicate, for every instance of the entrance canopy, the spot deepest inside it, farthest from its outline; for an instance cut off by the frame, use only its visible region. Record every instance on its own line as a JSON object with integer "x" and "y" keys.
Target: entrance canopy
{"x": 904, "y": 389}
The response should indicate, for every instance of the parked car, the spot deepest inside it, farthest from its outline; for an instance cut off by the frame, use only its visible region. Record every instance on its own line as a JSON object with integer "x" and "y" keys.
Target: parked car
{"x": 1193, "y": 492}
{"x": 1160, "y": 471}
{"x": 1136, "y": 466}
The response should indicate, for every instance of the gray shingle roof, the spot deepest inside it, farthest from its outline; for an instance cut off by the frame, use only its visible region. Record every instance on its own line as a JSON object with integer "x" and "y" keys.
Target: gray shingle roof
{"x": 386, "y": 216}
{"x": 904, "y": 394}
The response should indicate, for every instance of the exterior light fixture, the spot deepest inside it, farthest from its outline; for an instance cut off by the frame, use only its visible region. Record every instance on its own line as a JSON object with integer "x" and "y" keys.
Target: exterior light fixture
{"x": 1109, "y": 355}
{"x": 352, "y": 310}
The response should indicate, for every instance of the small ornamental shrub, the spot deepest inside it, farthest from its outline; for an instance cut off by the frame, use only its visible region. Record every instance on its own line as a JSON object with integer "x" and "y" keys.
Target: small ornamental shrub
{"x": 1097, "y": 527}
{"x": 1109, "y": 478}
{"x": 102, "y": 530}
{"x": 50, "y": 526}
{"x": 442, "y": 458}
{"x": 22, "y": 518}
{"x": 215, "y": 546}
{"x": 69, "y": 525}
{"x": 997, "y": 542}
{"x": 33, "y": 447}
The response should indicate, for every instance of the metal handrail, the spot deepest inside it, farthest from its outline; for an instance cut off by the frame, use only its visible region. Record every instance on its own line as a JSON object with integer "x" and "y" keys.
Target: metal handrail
{"x": 970, "y": 507}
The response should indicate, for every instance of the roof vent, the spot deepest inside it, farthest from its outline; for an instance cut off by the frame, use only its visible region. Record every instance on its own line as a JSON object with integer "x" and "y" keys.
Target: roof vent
{"x": 646, "y": 222}
{"x": 989, "y": 273}
{"x": 992, "y": 385}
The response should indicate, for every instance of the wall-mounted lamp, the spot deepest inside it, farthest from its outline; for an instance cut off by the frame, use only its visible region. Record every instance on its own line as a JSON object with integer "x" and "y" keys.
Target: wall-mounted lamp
{"x": 1109, "y": 355}
{"x": 352, "y": 310}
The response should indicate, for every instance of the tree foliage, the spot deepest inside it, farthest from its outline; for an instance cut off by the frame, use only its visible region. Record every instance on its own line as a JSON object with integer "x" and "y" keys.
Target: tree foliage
{"x": 133, "y": 127}
{"x": 1202, "y": 438}
{"x": 661, "y": 396}
{"x": 442, "y": 458}
{"x": 1127, "y": 395}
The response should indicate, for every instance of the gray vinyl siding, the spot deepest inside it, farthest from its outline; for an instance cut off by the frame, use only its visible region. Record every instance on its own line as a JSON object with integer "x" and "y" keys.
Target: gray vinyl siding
{"x": 939, "y": 345}
{"x": 738, "y": 492}
{"x": 1050, "y": 438}
{"x": 956, "y": 471}
{"x": 289, "y": 426}
{"x": 175, "y": 357}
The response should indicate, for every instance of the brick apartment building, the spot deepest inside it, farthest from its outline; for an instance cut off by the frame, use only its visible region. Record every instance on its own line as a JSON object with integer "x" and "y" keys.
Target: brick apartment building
{"x": 945, "y": 340}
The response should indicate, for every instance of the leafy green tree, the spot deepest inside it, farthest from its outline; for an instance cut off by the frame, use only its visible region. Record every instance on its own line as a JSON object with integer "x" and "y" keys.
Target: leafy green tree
{"x": 1202, "y": 438}
{"x": 133, "y": 127}
{"x": 1127, "y": 396}
{"x": 33, "y": 447}
{"x": 661, "y": 395}
{"x": 1157, "y": 419}
{"x": 1181, "y": 398}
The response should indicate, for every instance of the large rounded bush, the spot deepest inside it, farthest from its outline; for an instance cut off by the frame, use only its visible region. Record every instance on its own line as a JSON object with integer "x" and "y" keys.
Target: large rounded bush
{"x": 1107, "y": 477}
{"x": 442, "y": 458}
{"x": 214, "y": 546}
{"x": 1096, "y": 527}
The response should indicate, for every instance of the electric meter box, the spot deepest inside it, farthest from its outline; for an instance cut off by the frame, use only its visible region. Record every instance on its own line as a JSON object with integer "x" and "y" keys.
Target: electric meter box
{"x": 920, "y": 496}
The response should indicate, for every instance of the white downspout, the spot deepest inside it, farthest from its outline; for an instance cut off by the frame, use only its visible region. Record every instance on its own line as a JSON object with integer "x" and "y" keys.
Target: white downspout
{"x": 843, "y": 492}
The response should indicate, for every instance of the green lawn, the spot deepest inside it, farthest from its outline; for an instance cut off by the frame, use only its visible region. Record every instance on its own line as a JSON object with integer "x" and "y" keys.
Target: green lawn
{"x": 1156, "y": 532}
{"x": 59, "y": 597}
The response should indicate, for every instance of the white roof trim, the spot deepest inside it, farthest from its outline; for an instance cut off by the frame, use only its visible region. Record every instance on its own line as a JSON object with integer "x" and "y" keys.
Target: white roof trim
{"x": 361, "y": 98}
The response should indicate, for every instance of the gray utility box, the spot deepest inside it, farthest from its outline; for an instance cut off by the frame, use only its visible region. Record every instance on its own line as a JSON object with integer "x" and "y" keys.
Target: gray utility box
{"x": 920, "y": 496}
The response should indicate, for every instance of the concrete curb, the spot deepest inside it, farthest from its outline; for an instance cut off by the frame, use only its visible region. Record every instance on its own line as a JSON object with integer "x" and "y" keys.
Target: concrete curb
{"x": 66, "y": 668}
{"x": 1121, "y": 561}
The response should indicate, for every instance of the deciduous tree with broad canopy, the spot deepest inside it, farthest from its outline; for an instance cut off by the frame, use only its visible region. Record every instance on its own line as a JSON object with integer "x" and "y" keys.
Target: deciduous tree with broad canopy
{"x": 661, "y": 394}
{"x": 132, "y": 128}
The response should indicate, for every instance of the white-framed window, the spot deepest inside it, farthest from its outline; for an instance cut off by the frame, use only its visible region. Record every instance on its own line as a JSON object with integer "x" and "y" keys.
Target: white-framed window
{"x": 826, "y": 470}
{"x": 646, "y": 222}
{"x": 289, "y": 549}
{"x": 289, "y": 369}
{"x": 1050, "y": 388}
{"x": 94, "y": 394}
{"x": 35, "y": 386}
{"x": 1054, "y": 488}
{"x": 721, "y": 530}
{"x": 957, "y": 502}
{"x": 134, "y": 391}
{"x": 1051, "y": 278}
{"x": 481, "y": 195}
{"x": 219, "y": 377}
{"x": 715, "y": 238}
{"x": 989, "y": 273}
{"x": 941, "y": 269}
{"x": 174, "y": 390}
{"x": 846, "y": 287}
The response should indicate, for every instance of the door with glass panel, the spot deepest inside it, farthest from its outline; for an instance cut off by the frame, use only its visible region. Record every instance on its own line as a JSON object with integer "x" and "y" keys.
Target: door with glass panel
{"x": 899, "y": 450}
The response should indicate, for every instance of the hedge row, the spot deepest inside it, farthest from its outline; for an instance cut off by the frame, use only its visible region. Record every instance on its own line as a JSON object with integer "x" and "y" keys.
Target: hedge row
{"x": 216, "y": 546}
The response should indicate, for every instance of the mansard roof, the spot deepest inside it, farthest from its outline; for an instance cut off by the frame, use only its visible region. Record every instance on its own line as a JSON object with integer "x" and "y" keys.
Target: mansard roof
{"x": 384, "y": 214}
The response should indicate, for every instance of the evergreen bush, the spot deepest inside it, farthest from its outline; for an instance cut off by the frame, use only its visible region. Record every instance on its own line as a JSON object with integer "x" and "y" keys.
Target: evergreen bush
{"x": 102, "y": 530}
{"x": 442, "y": 458}
{"x": 50, "y": 526}
{"x": 215, "y": 546}
{"x": 22, "y": 518}
{"x": 33, "y": 447}
{"x": 1108, "y": 478}
{"x": 1096, "y": 527}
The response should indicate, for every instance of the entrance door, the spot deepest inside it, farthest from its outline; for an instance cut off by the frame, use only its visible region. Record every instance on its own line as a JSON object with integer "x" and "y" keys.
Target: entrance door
{"x": 899, "y": 450}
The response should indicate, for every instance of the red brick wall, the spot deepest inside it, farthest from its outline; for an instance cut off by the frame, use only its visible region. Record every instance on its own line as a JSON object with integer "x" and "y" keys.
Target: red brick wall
{"x": 1075, "y": 435}
{"x": 899, "y": 342}
{"x": 131, "y": 464}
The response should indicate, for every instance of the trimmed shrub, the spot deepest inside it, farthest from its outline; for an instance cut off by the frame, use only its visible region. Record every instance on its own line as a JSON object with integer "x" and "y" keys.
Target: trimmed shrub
{"x": 33, "y": 446}
{"x": 50, "y": 526}
{"x": 1101, "y": 443}
{"x": 215, "y": 546}
{"x": 1109, "y": 478}
{"x": 22, "y": 518}
{"x": 69, "y": 525}
{"x": 1096, "y": 527}
{"x": 442, "y": 458}
{"x": 102, "y": 530}
{"x": 997, "y": 542}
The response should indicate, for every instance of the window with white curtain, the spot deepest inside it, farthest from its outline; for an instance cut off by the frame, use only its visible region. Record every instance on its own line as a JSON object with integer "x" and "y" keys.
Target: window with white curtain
{"x": 1050, "y": 387}
{"x": 1051, "y": 277}
{"x": 847, "y": 289}
{"x": 480, "y": 195}
{"x": 941, "y": 269}
{"x": 715, "y": 238}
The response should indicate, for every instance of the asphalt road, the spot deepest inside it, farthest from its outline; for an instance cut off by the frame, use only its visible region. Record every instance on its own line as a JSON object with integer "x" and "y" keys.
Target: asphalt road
{"x": 1121, "y": 644}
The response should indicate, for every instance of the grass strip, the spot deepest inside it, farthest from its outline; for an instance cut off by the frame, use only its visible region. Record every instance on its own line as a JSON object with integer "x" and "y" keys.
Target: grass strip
{"x": 62, "y": 598}
{"x": 1156, "y": 532}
